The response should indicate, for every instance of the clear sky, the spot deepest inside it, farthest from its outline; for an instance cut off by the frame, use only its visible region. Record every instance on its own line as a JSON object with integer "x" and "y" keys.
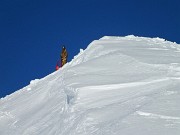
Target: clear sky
{"x": 32, "y": 32}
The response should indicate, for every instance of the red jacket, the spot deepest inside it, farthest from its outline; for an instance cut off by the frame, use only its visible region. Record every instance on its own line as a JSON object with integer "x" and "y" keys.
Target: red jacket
{"x": 57, "y": 67}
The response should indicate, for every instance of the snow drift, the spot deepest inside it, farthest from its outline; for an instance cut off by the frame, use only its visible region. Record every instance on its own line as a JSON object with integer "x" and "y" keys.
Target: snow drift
{"x": 117, "y": 86}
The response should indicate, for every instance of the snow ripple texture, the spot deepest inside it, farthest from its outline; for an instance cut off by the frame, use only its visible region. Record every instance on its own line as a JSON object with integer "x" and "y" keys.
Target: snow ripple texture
{"x": 117, "y": 86}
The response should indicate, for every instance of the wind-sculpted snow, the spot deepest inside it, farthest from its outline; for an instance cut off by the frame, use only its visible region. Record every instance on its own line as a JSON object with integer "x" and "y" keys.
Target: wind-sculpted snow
{"x": 117, "y": 86}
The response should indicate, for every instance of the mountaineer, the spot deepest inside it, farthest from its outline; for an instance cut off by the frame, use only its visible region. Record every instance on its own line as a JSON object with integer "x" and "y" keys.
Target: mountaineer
{"x": 63, "y": 56}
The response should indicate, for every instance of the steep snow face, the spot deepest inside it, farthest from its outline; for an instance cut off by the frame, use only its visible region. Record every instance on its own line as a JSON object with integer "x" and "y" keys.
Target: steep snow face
{"x": 117, "y": 86}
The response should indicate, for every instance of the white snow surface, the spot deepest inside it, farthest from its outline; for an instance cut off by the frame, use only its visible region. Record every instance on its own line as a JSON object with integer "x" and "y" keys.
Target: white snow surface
{"x": 117, "y": 86}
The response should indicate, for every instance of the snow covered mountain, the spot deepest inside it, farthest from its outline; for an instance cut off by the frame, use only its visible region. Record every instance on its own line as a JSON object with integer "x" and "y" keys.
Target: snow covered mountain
{"x": 117, "y": 86}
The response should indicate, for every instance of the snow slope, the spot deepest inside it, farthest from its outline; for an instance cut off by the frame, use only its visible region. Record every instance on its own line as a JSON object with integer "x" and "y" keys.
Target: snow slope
{"x": 117, "y": 86}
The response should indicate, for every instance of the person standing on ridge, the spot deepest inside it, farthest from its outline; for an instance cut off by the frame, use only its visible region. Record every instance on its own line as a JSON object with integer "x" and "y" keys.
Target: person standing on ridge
{"x": 63, "y": 56}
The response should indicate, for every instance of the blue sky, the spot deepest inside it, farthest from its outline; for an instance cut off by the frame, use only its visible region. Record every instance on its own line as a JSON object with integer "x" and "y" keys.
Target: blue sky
{"x": 32, "y": 32}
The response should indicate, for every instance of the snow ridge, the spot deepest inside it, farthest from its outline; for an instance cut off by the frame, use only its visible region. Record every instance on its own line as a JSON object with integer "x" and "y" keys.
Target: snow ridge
{"x": 118, "y": 85}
